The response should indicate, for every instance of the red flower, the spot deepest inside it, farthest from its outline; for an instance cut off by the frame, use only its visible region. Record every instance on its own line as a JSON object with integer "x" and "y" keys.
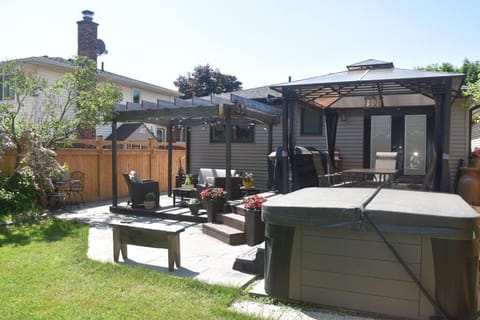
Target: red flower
{"x": 254, "y": 202}
{"x": 212, "y": 193}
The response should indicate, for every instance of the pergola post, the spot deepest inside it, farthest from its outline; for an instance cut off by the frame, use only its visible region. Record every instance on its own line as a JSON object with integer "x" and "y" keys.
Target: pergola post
{"x": 228, "y": 150}
{"x": 443, "y": 100}
{"x": 170, "y": 165}
{"x": 114, "y": 165}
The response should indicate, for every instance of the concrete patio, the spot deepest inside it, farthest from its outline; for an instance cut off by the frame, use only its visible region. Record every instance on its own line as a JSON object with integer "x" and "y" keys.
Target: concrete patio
{"x": 202, "y": 257}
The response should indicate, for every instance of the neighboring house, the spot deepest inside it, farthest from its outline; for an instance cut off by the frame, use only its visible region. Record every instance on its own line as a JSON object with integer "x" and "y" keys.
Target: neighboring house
{"x": 134, "y": 132}
{"x": 52, "y": 69}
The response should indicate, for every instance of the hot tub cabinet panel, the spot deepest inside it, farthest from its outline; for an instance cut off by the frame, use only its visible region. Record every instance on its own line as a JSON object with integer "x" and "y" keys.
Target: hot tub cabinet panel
{"x": 347, "y": 265}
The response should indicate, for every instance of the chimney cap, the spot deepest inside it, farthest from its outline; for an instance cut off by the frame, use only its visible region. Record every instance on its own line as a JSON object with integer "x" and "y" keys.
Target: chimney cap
{"x": 87, "y": 15}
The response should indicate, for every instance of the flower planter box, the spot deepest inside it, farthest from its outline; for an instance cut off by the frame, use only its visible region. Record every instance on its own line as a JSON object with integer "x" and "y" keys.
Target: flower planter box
{"x": 254, "y": 227}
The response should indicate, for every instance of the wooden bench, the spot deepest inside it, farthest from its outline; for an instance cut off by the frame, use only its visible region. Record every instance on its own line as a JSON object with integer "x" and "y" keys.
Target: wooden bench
{"x": 148, "y": 235}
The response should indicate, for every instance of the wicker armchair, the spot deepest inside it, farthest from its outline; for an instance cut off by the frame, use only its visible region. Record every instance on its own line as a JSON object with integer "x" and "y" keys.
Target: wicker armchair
{"x": 138, "y": 188}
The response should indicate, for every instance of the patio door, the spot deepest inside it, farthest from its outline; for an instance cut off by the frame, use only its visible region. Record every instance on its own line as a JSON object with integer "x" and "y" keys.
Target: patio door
{"x": 408, "y": 133}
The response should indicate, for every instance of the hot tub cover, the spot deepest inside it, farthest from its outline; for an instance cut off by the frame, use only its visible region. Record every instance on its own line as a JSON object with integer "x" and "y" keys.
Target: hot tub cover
{"x": 391, "y": 210}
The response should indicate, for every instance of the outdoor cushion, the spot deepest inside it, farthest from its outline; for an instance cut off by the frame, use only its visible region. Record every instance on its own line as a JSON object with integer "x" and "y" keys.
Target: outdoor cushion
{"x": 208, "y": 172}
{"x": 209, "y": 181}
{"x": 134, "y": 177}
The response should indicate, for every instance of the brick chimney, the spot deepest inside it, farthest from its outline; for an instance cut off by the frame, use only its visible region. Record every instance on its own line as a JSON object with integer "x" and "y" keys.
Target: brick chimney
{"x": 87, "y": 36}
{"x": 87, "y": 46}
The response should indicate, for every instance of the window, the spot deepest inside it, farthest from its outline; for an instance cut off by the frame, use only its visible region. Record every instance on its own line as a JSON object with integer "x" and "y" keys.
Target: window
{"x": 6, "y": 93}
{"x": 311, "y": 122}
{"x": 240, "y": 133}
{"x": 136, "y": 95}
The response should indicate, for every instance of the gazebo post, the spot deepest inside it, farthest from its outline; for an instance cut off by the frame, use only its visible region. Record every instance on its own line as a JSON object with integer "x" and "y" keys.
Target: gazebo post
{"x": 114, "y": 164}
{"x": 285, "y": 164}
{"x": 442, "y": 97}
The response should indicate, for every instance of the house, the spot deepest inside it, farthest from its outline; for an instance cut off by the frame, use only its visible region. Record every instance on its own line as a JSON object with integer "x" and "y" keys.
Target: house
{"x": 134, "y": 91}
{"x": 135, "y": 132}
{"x": 372, "y": 106}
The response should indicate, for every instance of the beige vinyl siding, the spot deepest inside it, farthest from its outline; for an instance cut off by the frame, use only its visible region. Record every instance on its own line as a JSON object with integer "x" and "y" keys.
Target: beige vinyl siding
{"x": 145, "y": 94}
{"x": 458, "y": 136}
{"x": 51, "y": 75}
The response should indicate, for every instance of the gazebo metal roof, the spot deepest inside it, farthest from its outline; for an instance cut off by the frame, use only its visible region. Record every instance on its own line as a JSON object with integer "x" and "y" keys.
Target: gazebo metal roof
{"x": 371, "y": 78}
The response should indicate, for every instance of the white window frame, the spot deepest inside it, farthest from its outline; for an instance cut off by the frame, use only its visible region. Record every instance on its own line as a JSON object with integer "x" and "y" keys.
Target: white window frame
{"x": 134, "y": 90}
{"x": 5, "y": 92}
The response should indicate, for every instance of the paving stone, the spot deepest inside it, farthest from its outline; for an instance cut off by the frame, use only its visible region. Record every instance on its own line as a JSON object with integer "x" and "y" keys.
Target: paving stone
{"x": 202, "y": 257}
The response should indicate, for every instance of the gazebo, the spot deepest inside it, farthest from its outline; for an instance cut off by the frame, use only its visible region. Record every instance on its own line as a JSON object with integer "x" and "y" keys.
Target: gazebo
{"x": 374, "y": 84}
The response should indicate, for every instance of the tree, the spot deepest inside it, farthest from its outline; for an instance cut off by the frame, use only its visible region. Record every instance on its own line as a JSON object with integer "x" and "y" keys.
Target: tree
{"x": 205, "y": 80}
{"x": 38, "y": 116}
{"x": 470, "y": 68}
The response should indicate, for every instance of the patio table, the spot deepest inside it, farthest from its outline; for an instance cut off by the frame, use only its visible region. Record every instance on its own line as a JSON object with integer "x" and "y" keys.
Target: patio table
{"x": 387, "y": 175}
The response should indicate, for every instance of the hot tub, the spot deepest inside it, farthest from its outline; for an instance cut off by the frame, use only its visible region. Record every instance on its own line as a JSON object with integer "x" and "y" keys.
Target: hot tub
{"x": 321, "y": 248}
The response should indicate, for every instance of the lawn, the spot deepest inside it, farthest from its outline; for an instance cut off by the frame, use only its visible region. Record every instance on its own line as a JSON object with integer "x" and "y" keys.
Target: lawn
{"x": 45, "y": 274}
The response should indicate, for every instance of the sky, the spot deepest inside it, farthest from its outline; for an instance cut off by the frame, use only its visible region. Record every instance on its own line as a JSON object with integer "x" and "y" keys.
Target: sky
{"x": 261, "y": 42}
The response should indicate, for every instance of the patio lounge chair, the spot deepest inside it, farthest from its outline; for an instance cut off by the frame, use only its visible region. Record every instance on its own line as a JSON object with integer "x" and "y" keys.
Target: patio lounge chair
{"x": 208, "y": 177}
{"x": 138, "y": 188}
{"x": 385, "y": 160}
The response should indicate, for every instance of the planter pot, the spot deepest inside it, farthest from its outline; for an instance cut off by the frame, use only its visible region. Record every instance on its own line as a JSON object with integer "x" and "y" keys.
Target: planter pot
{"x": 194, "y": 208}
{"x": 469, "y": 185}
{"x": 254, "y": 227}
{"x": 247, "y": 184}
{"x": 213, "y": 207}
{"x": 149, "y": 204}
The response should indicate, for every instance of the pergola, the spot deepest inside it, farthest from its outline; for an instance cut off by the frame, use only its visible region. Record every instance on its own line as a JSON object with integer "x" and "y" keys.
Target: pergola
{"x": 375, "y": 84}
{"x": 229, "y": 109}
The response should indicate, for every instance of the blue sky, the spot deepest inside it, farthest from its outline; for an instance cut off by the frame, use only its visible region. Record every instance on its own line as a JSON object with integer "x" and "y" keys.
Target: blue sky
{"x": 260, "y": 42}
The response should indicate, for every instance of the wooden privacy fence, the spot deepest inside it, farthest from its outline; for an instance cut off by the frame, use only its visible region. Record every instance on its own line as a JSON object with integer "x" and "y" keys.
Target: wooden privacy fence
{"x": 148, "y": 159}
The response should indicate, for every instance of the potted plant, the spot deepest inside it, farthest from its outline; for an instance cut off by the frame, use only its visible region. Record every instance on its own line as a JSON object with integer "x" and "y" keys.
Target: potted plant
{"x": 64, "y": 172}
{"x": 149, "y": 202}
{"x": 188, "y": 183}
{"x": 254, "y": 226}
{"x": 194, "y": 205}
{"x": 213, "y": 200}
{"x": 247, "y": 180}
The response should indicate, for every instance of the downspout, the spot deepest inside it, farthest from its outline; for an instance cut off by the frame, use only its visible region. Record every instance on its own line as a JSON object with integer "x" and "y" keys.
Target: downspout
{"x": 269, "y": 151}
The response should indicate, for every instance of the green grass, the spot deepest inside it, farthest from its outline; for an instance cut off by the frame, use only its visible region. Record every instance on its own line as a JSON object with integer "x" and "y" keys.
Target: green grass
{"x": 45, "y": 274}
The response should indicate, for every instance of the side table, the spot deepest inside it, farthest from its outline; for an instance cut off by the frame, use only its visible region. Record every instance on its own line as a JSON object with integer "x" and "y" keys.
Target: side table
{"x": 183, "y": 193}
{"x": 248, "y": 192}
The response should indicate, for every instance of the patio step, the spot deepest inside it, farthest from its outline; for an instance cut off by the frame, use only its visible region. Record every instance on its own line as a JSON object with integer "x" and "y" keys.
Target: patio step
{"x": 224, "y": 233}
{"x": 251, "y": 261}
{"x": 234, "y": 220}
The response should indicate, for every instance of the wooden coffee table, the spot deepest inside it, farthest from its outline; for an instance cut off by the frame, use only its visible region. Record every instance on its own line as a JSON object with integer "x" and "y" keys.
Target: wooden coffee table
{"x": 183, "y": 193}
